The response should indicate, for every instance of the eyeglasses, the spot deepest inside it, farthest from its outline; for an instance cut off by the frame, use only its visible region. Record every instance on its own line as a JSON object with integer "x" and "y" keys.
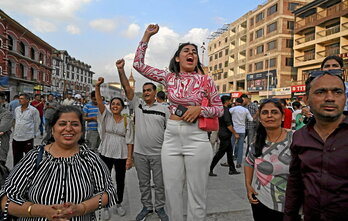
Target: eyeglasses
{"x": 333, "y": 72}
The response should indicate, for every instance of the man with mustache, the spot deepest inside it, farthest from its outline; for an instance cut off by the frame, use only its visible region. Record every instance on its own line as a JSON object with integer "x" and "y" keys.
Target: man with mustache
{"x": 318, "y": 178}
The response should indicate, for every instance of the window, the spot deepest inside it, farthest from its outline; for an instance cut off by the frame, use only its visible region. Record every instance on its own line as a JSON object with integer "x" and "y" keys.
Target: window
{"x": 215, "y": 67}
{"x": 226, "y": 51}
{"x": 259, "y": 65}
{"x": 22, "y": 71}
{"x": 251, "y": 36}
{"x": 259, "y": 49}
{"x": 291, "y": 25}
{"x": 22, "y": 48}
{"x": 226, "y": 63}
{"x": 224, "y": 88}
{"x": 210, "y": 68}
{"x": 220, "y": 54}
{"x": 273, "y": 9}
{"x": 219, "y": 76}
{"x": 251, "y": 21}
{"x": 292, "y": 6}
{"x": 250, "y": 52}
{"x": 289, "y": 62}
{"x": 216, "y": 56}
{"x": 272, "y": 27}
{"x": 0, "y": 43}
{"x": 220, "y": 65}
{"x": 289, "y": 43}
{"x": 272, "y": 62}
{"x": 33, "y": 74}
{"x": 10, "y": 43}
{"x": 226, "y": 40}
{"x": 250, "y": 67}
{"x": 41, "y": 58}
{"x": 210, "y": 58}
{"x": 272, "y": 45}
{"x": 57, "y": 71}
{"x": 32, "y": 53}
{"x": 225, "y": 75}
{"x": 259, "y": 33}
{"x": 259, "y": 17}
{"x": 218, "y": 87}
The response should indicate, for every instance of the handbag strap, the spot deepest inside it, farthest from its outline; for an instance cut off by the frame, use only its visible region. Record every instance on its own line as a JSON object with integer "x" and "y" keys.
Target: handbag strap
{"x": 205, "y": 84}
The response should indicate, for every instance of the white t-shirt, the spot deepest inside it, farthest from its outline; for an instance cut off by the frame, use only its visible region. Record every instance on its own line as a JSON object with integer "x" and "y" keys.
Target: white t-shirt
{"x": 239, "y": 116}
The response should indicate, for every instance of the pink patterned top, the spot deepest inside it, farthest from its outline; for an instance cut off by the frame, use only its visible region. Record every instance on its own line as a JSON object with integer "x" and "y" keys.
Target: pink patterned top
{"x": 185, "y": 89}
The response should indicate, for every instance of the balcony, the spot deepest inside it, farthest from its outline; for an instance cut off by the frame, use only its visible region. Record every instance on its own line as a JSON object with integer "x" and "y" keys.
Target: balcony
{"x": 334, "y": 11}
{"x": 307, "y": 38}
{"x": 329, "y": 31}
{"x": 329, "y": 52}
{"x": 306, "y": 57}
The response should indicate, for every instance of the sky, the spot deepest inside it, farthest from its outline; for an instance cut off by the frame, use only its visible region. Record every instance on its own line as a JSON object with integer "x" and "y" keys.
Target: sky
{"x": 98, "y": 32}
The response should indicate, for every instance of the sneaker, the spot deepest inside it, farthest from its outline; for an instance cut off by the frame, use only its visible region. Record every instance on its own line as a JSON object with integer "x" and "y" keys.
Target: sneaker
{"x": 143, "y": 214}
{"x": 162, "y": 214}
{"x": 211, "y": 173}
{"x": 120, "y": 210}
{"x": 105, "y": 214}
{"x": 224, "y": 164}
{"x": 238, "y": 166}
{"x": 233, "y": 172}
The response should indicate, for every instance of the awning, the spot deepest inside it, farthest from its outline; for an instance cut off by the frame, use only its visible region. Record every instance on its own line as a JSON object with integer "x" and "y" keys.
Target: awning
{"x": 282, "y": 96}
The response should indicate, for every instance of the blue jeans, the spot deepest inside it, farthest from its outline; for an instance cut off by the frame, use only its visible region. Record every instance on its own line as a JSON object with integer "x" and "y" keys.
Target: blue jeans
{"x": 238, "y": 147}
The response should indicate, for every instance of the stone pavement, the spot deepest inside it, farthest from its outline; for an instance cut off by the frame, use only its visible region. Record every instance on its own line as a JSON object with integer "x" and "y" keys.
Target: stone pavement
{"x": 226, "y": 196}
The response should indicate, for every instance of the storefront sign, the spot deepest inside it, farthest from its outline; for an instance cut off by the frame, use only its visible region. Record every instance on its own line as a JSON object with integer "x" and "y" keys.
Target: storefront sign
{"x": 298, "y": 91}
{"x": 258, "y": 81}
{"x": 236, "y": 94}
{"x": 282, "y": 91}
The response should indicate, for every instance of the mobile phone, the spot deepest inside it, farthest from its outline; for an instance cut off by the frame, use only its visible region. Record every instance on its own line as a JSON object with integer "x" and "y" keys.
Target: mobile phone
{"x": 180, "y": 110}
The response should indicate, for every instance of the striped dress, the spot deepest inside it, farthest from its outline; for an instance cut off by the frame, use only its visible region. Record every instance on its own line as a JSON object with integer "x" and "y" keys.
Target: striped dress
{"x": 59, "y": 180}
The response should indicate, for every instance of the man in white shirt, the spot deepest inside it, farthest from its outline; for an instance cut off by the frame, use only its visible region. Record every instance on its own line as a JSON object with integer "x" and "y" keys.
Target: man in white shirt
{"x": 297, "y": 110}
{"x": 27, "y": 122}
{"x": 69, "y": 100}
{"x": 239, "y": 116}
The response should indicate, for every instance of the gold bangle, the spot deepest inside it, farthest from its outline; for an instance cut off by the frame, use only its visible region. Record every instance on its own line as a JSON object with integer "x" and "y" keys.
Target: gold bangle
{"x": 29, "y": 210}
{"x": 84, "y": 208}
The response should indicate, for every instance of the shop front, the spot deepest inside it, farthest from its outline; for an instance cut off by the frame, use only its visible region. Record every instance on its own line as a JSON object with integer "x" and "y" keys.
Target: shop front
{"x": 298, "y": 91}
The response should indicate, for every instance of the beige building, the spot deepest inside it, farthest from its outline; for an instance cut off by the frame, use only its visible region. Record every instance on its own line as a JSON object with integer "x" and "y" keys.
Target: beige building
{"x": 321, "y": 29}
{"x": 259, "y": 42}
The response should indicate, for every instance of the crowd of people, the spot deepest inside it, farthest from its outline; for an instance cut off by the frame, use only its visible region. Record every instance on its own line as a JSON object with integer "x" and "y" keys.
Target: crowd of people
{"x": 294, "y": 157}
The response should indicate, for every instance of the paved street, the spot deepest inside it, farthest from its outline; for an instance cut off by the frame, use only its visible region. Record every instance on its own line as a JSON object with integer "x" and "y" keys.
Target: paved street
{"x": 226, "y": 196}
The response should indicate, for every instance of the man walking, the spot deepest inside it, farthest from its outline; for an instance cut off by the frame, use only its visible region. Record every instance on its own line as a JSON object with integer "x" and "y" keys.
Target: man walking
{"x": 27, "y": 121}
{"x": 250, "y": 125}
{"x": 50, "y": 107}
{"x": 318, "y": 178}
{"x": 39, "y": 104}
{"x": 150, "y": 122}
{"x": 225, "y": 133}
{"x": 90, "y": 111}
{"x": 6, "y": 121}
{"x": 69, "y": 100}
{"x": 239, "y": 116}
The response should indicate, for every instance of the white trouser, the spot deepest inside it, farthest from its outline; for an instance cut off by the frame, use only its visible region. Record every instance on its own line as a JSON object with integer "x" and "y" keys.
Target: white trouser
{"x": 186, "y": 156}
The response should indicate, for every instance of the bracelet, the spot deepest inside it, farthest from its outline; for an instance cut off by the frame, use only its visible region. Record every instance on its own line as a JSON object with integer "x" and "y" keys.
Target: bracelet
{"x": 6, "y": 209}
{"x": 84, "y": 208}
{"x": 29, "y": 210}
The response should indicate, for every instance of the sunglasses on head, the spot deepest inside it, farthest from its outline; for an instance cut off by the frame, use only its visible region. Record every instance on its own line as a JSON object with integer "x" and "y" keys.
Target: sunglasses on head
{"x": 333, "y": 72}
{"x": 273, "y": 100}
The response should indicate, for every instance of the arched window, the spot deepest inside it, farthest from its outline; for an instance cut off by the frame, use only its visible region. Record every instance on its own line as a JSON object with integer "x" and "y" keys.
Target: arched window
{"x": 32, "y": 72}
{"x": 32, "y": 53}
{"x": 21, "y": 71}
{"x": 0, "y": 43}
{"x": 11, "y": 68}
{"x": 22, "y": 48}
{"x": 41, "y": 58}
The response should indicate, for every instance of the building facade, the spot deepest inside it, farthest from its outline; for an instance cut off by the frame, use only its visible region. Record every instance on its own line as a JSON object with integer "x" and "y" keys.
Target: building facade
{"x": 70, "y": 74}
{"x": 321, "y": 29}
{"x": 25, "y": 59}
{"x": 260, "y": 55}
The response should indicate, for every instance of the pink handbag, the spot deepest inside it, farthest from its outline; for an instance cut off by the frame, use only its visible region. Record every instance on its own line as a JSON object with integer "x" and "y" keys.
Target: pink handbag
{"x": 204, "y": 123}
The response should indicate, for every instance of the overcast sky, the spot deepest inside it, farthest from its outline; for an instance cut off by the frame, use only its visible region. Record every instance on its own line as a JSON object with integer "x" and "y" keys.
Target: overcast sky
{"x": 98, "y": 32}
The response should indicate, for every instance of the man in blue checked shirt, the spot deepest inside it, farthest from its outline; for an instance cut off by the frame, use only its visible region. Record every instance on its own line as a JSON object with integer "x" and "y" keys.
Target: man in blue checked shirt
{"x": 91, "y": 111}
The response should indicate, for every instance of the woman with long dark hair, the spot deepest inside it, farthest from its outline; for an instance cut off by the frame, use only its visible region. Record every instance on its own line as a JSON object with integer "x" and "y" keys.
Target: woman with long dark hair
{"x": 186, "y": 149}
{"x": 267, "y": 164}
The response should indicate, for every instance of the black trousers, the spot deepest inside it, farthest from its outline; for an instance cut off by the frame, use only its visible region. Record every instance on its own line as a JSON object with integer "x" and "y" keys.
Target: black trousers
{"x": 19, "y": 148}
{"x": 262, "y": 212}
{"x": 120, "y": 169}
{"x": 225, "y": 147}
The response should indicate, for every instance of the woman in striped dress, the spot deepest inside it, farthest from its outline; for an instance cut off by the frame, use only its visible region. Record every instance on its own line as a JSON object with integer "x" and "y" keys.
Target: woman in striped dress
{"x": 63, "y": 180}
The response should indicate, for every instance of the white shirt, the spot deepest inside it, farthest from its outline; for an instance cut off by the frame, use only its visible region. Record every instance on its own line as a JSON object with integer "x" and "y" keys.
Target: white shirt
{"x": 27, "y": 123}
{"x": 294, "y": 115}
{"x": 239, "y": 116}
{"x": 68, "y": 101}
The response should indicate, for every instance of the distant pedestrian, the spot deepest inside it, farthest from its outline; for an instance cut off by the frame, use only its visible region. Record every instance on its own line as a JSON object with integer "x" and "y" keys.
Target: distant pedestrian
{"x": 6, "y": 122}
{"x": 250, "y": 125}
{"x": 296, "y": 106}
{"x": 287, "y": 121}
{"x": 39, "y": 104}
{"x": 90, "y": 111}
{"x": 225, "y": 133}
{"x": 69, "y": 100}
{"x": 239, "y": 117}
{"x": 27, "y": 122}
{"x": 50, "y": 107}
{"x": 78, "y": 101}
{"x": 13, "y": 104}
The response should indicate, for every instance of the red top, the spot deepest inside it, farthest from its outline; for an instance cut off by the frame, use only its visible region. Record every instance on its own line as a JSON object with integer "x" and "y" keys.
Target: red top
{"x": 39, "y": 106}
{"x": 287, "y": 118}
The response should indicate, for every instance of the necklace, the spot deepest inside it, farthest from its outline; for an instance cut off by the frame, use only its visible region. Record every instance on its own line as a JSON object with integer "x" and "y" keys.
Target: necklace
{"x": 281, "y": 132}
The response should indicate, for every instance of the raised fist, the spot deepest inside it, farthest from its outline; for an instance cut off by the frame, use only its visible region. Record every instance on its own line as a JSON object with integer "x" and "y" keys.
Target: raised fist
{"x": 100, "y": 81}
{"x": 120, "y": 63}
{"x": 152, "y": 29}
